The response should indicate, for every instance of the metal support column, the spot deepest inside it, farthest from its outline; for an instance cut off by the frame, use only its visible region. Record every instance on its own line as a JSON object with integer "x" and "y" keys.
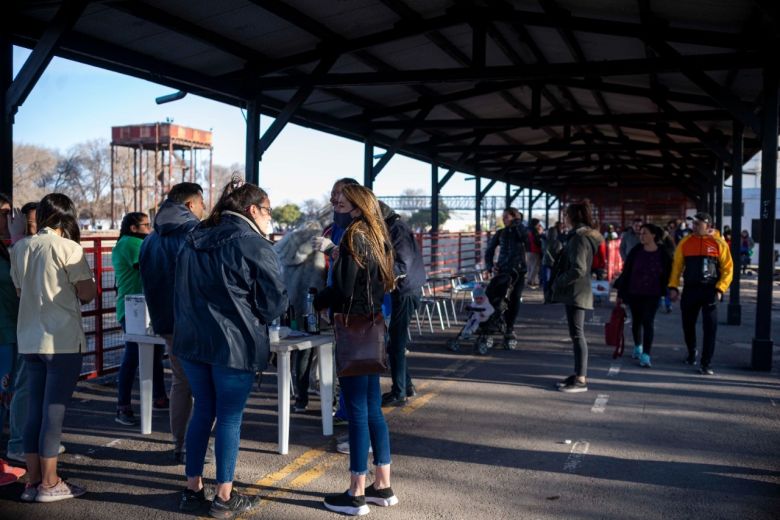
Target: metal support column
{"x": 734, "y": 307}
{"x": 761, "y": 355}
{"x": 252, "y": 141}
{"x": 434, "y": 214}
{"x": 508, "y": 196}
{"x": 478, "y": 204}
{"x": 368, "y": 164}
{"x": 546, "y": 210}
{"x": 113, "y": 187}
{"x": 6, "y": 117}
{"x": 530, "y": 204}
{"x": 718, "y": 216}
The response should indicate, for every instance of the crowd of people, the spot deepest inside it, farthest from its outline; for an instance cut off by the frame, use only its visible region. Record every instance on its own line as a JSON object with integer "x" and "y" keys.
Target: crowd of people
{"x": 226, "y": 259}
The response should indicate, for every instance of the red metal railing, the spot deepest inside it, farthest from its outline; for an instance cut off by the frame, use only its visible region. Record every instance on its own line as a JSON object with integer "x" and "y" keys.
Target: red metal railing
{"x": 445, "y": 254}
{"x": 104, "y": 334}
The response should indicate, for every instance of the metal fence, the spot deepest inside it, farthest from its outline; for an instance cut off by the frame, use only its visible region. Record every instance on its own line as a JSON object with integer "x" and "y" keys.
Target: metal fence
{"x": 445, "y": 254}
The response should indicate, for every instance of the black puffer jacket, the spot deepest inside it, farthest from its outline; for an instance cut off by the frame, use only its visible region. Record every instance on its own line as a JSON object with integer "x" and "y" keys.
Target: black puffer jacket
{"x": 228, "y": 288}
{"x": 408, "y": 264}
{"x": 513, "y": 240}
{"x": 355, "y": 289}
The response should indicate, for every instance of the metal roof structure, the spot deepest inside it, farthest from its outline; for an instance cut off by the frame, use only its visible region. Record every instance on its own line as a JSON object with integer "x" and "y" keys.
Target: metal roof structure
{"x": 552, "y": 95}
{"x": 542, "y": 93}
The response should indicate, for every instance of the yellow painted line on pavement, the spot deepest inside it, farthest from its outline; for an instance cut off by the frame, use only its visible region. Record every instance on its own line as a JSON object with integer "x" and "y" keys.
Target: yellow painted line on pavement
{"x": 324, "y": 460}
{"x": 298, "y": 463}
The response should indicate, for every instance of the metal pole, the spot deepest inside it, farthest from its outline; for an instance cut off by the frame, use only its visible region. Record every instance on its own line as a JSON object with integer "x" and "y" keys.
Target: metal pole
{"x": 135, "y": 179}
{"x": 546, "y": 210}
{"x": 252, "y": 141}
{"x": 530, "y": 203}
{"x": 434, "y": 214}
{"x": 211, "y": 178}
{"x": 368, "y": 164}
{"x": 734, "y": 308}
{"x": 113, "y": 216}
{"x": 508, "y": 196}
{"x": 718, "y": 216}
{"x": 761, "y": 355}
{"x": 478, "y": 205}
{"x": 6, "y": 118}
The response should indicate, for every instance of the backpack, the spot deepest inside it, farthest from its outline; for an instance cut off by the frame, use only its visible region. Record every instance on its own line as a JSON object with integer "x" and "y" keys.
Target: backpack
{"x": 613, "y": 331}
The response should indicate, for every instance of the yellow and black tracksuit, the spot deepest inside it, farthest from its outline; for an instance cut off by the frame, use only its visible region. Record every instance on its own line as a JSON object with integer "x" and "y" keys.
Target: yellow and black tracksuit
{"x": 706, "y": 268}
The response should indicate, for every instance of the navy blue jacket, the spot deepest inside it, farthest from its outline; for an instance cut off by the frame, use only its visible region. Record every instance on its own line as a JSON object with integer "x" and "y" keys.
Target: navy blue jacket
{"x": 228, "y": 289}
{"x": 157, "y": 261}
{"x": 513, "y": 240}
{"x": 408, "y": 264}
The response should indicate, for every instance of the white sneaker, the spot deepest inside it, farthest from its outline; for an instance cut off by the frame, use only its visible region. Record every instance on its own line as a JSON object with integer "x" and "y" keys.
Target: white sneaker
{"x": 343, "y": 447}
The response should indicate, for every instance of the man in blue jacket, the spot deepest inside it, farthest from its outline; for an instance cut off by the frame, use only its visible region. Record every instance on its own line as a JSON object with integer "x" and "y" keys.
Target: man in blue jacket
{"x": 179, "y": 214}
{"x": 410, "y": 276}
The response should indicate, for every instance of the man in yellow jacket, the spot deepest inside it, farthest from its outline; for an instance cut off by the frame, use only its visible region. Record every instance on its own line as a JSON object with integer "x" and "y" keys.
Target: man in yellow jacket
{"x": 704, "y": 261}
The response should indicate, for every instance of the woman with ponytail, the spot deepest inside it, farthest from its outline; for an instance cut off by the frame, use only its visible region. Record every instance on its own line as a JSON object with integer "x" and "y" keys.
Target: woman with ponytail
{"x": 228, "y": 289}
{"x": 53, "y": 280}
{"x": 362, "y": 274}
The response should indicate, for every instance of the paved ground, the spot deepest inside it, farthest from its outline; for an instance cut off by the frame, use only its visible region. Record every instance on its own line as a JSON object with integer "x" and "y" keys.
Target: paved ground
{"x": 486, "y": 438}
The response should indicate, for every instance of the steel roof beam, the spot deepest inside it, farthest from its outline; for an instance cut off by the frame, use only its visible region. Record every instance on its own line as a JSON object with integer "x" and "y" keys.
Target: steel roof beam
{"x": 43, "y": 52}
{"x": 723, "y": 96}
{"x": 558, "y": 145}
{"x": 535, "y": 72}
{"x": 295, "y": 103}
{"x": 176, "y": 23}
{"x": 560, "y": 119}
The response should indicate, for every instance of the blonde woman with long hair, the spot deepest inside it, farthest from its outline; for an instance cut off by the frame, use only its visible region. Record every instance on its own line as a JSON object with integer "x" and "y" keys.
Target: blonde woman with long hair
{"x": 362, "y": 274}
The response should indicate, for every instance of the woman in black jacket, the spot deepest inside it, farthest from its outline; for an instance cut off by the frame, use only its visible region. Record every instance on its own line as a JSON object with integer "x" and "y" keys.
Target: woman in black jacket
{"x": 641, "y": 284}
{"x": 228, "y": 289}
{"x": 362, "y": 274}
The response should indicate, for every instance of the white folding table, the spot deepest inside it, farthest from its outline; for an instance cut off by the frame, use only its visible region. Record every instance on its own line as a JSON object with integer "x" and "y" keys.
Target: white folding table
{"x": 146, "y": 346}
{"x": 324, "y": 345}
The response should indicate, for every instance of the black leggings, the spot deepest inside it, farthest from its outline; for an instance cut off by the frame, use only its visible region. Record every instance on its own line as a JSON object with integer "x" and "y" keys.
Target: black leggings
{"x": 643, "y": 309}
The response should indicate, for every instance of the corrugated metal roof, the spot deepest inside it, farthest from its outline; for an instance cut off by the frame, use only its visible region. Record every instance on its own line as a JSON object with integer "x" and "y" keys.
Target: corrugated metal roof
{"x": 604, "y": 74}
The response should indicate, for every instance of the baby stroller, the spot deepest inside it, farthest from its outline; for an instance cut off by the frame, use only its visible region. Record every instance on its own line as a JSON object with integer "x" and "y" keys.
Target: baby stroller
{"x": 486, "y": 316}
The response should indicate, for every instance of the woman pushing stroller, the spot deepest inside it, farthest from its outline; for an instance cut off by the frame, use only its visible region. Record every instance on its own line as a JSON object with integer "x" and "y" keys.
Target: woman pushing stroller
{"x": 513, "y": 243}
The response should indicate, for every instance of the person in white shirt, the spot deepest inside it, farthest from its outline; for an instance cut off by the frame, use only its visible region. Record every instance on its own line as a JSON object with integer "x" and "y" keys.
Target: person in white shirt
{"x": 52, "y": 279}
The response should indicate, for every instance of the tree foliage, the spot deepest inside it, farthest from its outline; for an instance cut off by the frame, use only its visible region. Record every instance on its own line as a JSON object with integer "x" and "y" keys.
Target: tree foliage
{"x": 287, "y": 215}
{"x": 421, "y": 219}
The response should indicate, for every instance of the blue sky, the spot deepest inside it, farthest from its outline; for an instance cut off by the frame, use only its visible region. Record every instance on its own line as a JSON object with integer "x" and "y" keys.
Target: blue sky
{"x": 73, "y": 103}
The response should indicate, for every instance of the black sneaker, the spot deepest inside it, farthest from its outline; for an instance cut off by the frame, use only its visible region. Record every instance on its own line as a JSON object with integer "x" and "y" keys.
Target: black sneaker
{"x": 347, "y": 504}
{"x": 237, "y": 504}
{"x": 191, "y": 501}
{"x": 381, "y": 497}
{"x": 391, "y": 399}
{"x": 568, "y": 381}
{"x": 299, "y": 407}
{"x": 411, "y": 391}
{"x": 126, "y": 417}
{"x": 574, "y": 387}
{"x": 691, "y": 359}
{"x": 705, "y": 370}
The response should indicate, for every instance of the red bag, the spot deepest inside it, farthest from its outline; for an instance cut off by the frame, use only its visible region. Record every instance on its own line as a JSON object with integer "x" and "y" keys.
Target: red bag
{"x": 613, "y": 331}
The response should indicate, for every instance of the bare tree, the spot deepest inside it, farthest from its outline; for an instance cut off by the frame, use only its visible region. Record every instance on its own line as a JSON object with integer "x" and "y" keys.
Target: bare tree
{"x": 33, "y": 168}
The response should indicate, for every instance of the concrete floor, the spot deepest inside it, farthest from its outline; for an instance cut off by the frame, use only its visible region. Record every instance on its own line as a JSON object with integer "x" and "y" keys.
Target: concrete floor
{"x": 486, "y": 438}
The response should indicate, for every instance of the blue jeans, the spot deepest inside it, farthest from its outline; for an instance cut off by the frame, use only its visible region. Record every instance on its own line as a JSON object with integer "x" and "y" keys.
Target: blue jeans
{"x": 220, "y": 393}
{"x": 363, "y": 400}
{"x": 18, "y": 412}
{"x": 128, "y": 368}
{"x": 403, "y": 309}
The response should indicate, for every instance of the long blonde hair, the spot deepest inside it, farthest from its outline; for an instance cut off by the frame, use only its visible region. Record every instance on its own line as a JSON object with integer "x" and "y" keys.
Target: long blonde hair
{"x": 372, "y": 227}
